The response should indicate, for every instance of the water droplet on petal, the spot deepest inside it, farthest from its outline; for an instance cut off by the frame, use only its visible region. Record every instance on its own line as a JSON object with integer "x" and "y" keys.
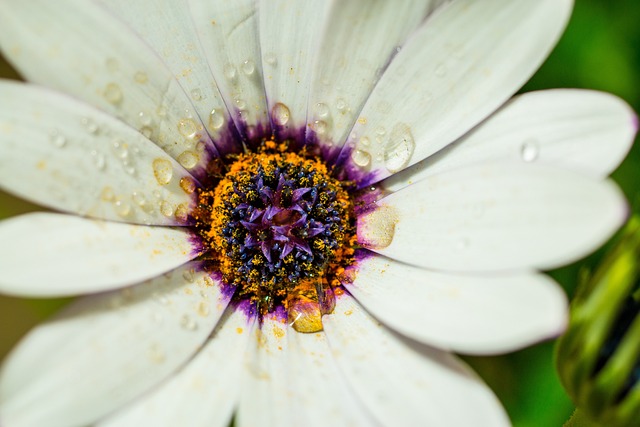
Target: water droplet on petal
{"x": 203, "y": 308}
{"x": 113, "y": 93}
{"x": 364, "y": 142}
{"x": 108, "y": 194}
{"x": 122, "y": 208}
{"x": 271, "y": 59}
{"x": 230, "y": 72}
{"x": 341, "y": 104}
{"x": 530, "y": 150}
{"x": 322, "y": 109}
{"x": 320, "y": 127}
{"x": 98, "y": 160}
{"x": 188, "y": 159}
{"x": 187, "y": 128}
{"x": 280, "y": 114}
{"x": 90, "y": 125}
{"x": 361, "y": 158}
{"x": 216, "y": 118}
{"x": 196, "y": 94}
{"x": 57, "y": 139}
{"x": 186, "y": 322}
{"x": 162, "y": 170}
{"x": 399, "y": 148}
{"x": 248, "y": 67}
{"x": 377, "y": 228}
{"x": 141, "y": 77}
{"x": 166, "y": 209}
{"x": 156, "y": 355}
{"x": 181, "y": 213}
{"x": 189, "y": 275}
{"x": 187, "y": 184}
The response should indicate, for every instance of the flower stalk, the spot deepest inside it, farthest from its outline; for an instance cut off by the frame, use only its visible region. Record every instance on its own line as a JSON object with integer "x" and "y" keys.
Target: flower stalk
{"x": 598, "y": 359}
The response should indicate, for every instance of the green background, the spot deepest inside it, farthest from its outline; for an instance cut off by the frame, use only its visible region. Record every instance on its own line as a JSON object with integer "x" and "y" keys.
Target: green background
{"x": 600, "y": 50}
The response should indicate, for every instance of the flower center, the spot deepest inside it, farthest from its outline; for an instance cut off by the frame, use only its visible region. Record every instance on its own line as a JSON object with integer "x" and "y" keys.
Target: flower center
{"x": 281, "y": 230}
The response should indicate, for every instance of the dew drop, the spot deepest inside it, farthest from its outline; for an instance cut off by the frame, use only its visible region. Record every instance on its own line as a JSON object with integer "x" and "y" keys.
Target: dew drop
{"x": 187, "y": 184}
{"x": 186, "y": 322}
{"x": 162, "y": 170}
{"x": 361, "y": 158}
{"x": 399, "y": 148}
{"x": 156, "y": 355}
{"x": 377, "y": 228}
{"x": 188, "y": 159}
{"x": 57, "y": 139}
{"x": 122, "y": 208}
{"x": 248, "y": 67}
{"x": 181, "y": 213}
{"x": 271, "y": 59}
{"x": 322, "y": 109}
{"x": 107, "y": 194}
{"x": 141, "y": 77}
{"x": 99, "y": 160}
{"x": 162, "y": 300}
{"x": 187, "y": 128}
{"x": 364, "y": 141}
{"x": 280, "y": 114}
{"x": 147, "y": 131}
{"x": 113, "y": 93}
{"x": 144, "y": 118}
{"x": 380, "y": 130}
{"x": 530, "y": 150}
{"x": 241, "y": 104}
{"x": 230, "y": 72}
{"x": 166, "y": 209}
{"x": 320, "y": 127}
{"x": 216, "y": 118}
{"x": 196, "y": 94}
{"x": 90, "y": 125}
{"x": 341, "y": 104}
{"x": 189, "y": 275}
{"x": 161, "y": 111}
{"x": 203, "y": 308}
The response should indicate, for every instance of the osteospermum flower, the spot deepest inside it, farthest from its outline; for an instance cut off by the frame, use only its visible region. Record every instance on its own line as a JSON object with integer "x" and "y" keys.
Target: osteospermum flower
{"x": 291, "y": 211}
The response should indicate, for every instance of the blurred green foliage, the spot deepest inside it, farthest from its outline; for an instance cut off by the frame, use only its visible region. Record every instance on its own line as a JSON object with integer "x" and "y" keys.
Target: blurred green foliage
{"x": 600, "y": 50}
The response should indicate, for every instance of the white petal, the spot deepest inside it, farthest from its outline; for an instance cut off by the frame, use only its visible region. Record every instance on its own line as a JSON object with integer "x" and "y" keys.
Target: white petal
{"x": 106, "y": 349}
{"x": 359, "y": 41}
{"x": 66, "y": 155}
{"x": 228, "y": 32}
{"x": 588, "y": 131}
{"x": 293, "y": 379}
{"x": 467, "y": 60}
{"x": 495, "y": 217}
{"x": 466, "y": 314}
{"x": 46, "y": 254}
{"x": 314, "y": 377}
{"x": 171, "y": 33}
{"x": 290, "y": 32}
{"x": 92, "y": 55}
{"x": 205, "y": 392}
{"x": 404, "y": 383}
{"x": 262, "y": 402}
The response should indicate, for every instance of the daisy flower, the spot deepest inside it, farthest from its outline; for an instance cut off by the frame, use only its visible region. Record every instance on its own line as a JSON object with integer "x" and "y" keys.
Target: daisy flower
{"x": 290, "y": 212}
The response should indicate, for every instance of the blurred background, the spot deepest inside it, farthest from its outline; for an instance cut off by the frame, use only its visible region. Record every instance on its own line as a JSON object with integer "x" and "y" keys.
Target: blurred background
{"x": 600, "y": 50}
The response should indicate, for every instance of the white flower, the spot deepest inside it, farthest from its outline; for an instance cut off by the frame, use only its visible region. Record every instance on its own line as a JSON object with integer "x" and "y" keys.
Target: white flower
{"x": 496, "y": 190}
